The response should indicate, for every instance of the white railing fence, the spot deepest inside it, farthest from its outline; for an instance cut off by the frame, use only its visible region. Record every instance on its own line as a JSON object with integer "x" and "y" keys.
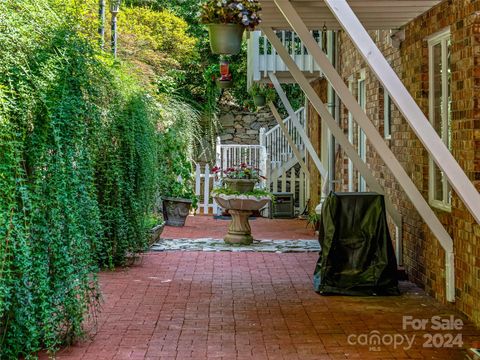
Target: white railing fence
{"x": 294, "y": 181}
{"x": 205, "y": 182}
{"x": 277, "y": 146}
{"x": 263, "y": 58}
{"x": 231, "y": 155}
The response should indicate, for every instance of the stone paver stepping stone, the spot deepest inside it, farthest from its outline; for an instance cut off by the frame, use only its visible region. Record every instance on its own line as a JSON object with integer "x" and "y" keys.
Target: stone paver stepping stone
{"x": 207, "y": 244}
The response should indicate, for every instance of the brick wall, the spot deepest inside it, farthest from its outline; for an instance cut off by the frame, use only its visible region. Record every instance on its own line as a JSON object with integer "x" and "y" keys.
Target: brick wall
{"x": 423, "y": 255}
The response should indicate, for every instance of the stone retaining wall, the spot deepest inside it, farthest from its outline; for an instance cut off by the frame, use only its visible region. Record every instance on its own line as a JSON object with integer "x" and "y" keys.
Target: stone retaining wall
{"x": 242, "y": 127}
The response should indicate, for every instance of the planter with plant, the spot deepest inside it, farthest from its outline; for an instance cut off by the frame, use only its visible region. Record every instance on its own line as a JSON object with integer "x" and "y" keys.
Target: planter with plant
{"x": 241, "y": 179}
{"x": 175, "y": 180}
{"x": 262, "y": 94}
{"x": 227, "y": 20}
{"x": 241, "y": 200}
{"x": 154, "y": 225}
{"x": 314, "y": 220}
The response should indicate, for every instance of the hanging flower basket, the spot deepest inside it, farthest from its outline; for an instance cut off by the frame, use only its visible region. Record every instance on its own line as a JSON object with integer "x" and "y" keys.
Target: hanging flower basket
{"x": 225, "y": 39}
{"x": 227, "y": 20}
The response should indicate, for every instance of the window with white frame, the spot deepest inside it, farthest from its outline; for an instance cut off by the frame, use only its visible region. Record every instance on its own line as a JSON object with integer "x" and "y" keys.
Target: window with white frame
{"x": 387, "y": 115}
{"x": 362, "y": 138}
{"x": 439, "y": 113}
{"x": 350, "y": 138}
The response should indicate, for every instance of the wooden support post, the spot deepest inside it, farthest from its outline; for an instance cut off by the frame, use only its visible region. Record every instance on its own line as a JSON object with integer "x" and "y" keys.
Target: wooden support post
{"x": 206, "y": 190}
{"x": 198, "y": 181}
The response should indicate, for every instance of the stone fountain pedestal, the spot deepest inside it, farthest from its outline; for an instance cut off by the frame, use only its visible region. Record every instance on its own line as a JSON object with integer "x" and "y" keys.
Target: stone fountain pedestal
{"x": 240, "y": 207}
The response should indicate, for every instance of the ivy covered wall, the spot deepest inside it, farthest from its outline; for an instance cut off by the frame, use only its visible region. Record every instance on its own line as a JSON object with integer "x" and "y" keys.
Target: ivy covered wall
{"x": 79, "y": 145}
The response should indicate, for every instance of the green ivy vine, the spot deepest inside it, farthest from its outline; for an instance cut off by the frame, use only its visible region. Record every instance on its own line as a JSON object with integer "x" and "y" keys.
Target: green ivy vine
{"x": 79, "y": 147}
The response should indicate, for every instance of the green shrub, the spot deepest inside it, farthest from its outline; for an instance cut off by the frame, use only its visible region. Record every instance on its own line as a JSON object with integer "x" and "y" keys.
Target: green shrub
{"x": 175, "y": 153}
{"x": 78, "y": 155}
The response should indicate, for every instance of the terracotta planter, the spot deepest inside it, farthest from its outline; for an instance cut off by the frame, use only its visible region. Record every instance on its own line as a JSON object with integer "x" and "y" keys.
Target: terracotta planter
{"x": 224, "y": 84}
{"x": 225, "y": 39}
{"x": 176, "y": 210}
{"x": 259, "y": 100}
{"x": 240, "y": 185}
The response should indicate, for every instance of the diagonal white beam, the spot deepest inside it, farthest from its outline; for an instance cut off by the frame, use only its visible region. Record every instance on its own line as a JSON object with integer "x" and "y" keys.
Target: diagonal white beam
{"x": 375, "y": 139}
{"x": 290, "y": 141}
{"x": 407, "y": 106}
{"x": 298, "y": 126}
{"x": 330, "y": 122}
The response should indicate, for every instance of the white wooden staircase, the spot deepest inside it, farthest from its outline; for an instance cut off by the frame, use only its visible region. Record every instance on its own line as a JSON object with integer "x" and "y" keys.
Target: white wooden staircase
{"x": 285, "y": 174}
{"x": 275, "y": 159}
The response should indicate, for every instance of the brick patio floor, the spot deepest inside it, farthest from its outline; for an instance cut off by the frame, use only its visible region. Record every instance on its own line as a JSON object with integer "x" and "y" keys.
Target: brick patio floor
{"x": 196, "y": 305}
{"x": 262, "y": 229}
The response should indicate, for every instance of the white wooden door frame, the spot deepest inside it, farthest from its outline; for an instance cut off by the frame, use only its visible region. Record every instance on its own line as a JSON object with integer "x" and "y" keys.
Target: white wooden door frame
{"x": 298, "y": 126}
{"x": 351, "y": 131}
{"x": 374, "y": 137}
{"x": 362, "y": 138}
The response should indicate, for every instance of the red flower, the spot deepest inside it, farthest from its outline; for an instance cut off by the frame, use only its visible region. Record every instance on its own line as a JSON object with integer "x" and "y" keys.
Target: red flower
{"x": 215, "y": 169}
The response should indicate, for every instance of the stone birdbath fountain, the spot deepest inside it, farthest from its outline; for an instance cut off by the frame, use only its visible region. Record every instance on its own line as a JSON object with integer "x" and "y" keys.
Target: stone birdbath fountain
{"x": 238, "y": 197}
{"x": 240, "y": 207}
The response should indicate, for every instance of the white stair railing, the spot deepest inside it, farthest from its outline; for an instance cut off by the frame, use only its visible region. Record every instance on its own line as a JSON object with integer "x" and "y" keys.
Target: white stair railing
{"x": 277, "y": 145}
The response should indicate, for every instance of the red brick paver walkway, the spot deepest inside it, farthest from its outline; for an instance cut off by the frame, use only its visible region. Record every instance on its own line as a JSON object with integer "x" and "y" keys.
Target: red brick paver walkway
{"x": 262, "y": 229}
{"x": 195, "y": 305}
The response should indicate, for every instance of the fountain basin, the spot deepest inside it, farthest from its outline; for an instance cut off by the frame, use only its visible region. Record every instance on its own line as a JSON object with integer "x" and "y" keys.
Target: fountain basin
{"x": 240, "y": 207}
{"x": 241, "y": 202}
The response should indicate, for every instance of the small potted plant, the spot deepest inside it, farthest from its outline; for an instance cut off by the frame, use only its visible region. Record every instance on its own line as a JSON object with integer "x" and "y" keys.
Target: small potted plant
{"x": 175, "y": 181}
{"x": 240, "y": 179}
{"x": 227, "y": 20}
{"x": 154, "y": 224}
{"x": 314, "y": 220}
{"x": 261, "y": 94}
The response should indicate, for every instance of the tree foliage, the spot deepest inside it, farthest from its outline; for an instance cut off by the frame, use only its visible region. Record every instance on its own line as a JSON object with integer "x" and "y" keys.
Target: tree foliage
{"x": 158, "y": 38}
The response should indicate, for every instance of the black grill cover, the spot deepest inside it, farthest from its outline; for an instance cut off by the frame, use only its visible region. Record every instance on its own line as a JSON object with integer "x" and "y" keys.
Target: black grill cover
{"x": 356, "y": 256}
